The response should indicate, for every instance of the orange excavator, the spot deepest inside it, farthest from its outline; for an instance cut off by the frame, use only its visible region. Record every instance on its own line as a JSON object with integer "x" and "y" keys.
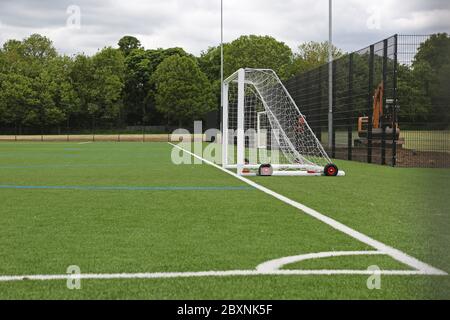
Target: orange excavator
{"x": 381, "y": 119}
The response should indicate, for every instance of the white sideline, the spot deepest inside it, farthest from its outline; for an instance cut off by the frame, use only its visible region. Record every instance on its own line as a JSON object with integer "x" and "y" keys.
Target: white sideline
{"x": 390, "y": 251}
{"x": 229, "y": 273}
{"x": 277, "y": 264}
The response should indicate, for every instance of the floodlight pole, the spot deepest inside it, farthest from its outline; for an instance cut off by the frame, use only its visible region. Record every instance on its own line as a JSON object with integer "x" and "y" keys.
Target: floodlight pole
{"x": 221, "y": 54}
{"x": 330, "y": 74}
{"x": 223, "y": 97}
{"x": 221, "y": 73}
{"x": 221, "y": 47}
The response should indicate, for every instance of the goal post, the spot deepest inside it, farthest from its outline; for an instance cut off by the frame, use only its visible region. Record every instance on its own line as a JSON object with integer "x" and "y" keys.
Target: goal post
{"x": 263, "y": 127}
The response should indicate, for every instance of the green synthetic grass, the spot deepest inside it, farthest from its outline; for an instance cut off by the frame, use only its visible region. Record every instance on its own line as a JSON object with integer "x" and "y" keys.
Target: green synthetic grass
{"x": 437, "y": 141}
{"x": 43, "y": 231}
{"x": 419, "y": 140}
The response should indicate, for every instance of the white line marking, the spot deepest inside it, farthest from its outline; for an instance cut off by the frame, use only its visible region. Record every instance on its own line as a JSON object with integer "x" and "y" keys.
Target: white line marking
{"x": 229, "y": 273}
{"x": 394, "y": 253}
{"x": 277, "y": 264}
{"x": 84, "y": 142}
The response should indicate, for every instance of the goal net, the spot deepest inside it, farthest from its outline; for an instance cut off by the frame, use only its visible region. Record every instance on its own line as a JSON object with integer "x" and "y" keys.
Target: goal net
{"x": 262, "y": 125}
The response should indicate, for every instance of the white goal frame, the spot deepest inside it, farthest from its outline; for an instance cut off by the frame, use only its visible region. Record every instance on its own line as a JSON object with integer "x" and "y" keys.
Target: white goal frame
{"x": 279, "y": 169}
{"x": 261, "y": 134}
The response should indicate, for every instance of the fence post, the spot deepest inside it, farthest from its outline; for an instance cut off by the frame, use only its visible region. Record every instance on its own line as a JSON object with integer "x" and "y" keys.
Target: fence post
{"x": 394, "y": 110}
{"x": 350, "y": 108}
{"x": 370, "y": 106}
{"x": 319, "y": 108}
{"x": 333, "y": 132}
{"x": 306, "y": 111}
{"x": 93, "y": 128}
{"x": 67, "y": 129}
{"x": 383, "y": 126}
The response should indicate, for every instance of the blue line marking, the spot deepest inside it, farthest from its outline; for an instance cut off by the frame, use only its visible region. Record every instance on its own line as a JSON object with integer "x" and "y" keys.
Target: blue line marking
{"x": 115, "y": 188}
{"x": 62, "y": 166}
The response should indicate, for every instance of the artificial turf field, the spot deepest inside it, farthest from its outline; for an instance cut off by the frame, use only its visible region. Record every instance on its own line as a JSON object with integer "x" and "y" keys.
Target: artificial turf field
{"x": 125, "y": 208}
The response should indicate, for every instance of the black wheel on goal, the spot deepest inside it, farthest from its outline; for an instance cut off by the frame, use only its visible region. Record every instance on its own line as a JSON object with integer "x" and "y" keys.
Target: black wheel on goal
{"x": 331, "y": 170}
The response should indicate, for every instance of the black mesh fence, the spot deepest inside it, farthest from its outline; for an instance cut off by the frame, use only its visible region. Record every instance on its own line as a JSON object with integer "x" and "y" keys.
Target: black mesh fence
{"x": 95, "y": 132}
{"x": 84, "y": 134}
{"x": 389, "y": 106}
{"x": 424, "y": 98}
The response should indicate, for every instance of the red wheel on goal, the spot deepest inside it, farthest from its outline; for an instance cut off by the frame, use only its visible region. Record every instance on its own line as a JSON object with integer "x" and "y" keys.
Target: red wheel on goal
{"x": 331, "y": 170}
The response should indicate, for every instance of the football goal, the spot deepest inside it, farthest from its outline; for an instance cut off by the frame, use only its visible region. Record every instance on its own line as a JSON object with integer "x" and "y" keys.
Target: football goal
{"x": 264, "y": 132}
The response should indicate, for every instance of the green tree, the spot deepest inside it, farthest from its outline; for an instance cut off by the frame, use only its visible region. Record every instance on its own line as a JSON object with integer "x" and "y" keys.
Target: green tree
{"x": 98, "y": 83}
{"x": 129, "y": 43}
{"x": 257, "y": 52}
{"x": 137, "y": 76}
{"x": 315, "y": 54}
{"x": 37, "y": 51}
{"x": 415, "y": 103}
{"x": 430, "y": 68}
{"x": 435, "y": 51}
{"x": 108, "y": 82}
{"x": 16, "y": 95}
{"x": 183, "y": 92}
{"x": 209, "y": 62}
{"x": 139, "y": 92}
{"x": 67, "y": 102}
{"x": 38, "y": 47}
{"x": 248, "y": 52}
{"x": 11, "y": 56}
{"x": 311, "y": 55}
{"x": 82, "y": 77}
{"x": 159, "y": 55}
{"x": 32, "y": 77}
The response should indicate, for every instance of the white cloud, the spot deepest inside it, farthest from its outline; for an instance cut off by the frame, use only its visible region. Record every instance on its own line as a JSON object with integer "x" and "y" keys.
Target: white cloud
{"x": 195, "y": 25}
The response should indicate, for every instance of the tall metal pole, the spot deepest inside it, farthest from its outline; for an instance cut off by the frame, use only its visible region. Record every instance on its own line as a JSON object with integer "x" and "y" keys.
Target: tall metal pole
{"x": 221, "y": 53}
{"x": 221, "y": 66}
{"x": 330, "y": 74}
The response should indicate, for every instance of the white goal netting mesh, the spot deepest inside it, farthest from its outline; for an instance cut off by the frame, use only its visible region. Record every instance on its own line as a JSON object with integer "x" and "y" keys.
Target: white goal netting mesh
{"x": 276, "y": 132}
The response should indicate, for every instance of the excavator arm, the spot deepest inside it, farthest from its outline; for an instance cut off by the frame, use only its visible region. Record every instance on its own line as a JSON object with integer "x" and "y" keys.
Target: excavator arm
{"x": 380, "y": 118}
{"x": 378, "y": 106}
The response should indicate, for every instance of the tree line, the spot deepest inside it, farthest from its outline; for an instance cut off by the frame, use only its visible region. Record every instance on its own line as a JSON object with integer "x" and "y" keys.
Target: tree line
{"x": 424, "y": 85}
{"x": 42, "y": 91}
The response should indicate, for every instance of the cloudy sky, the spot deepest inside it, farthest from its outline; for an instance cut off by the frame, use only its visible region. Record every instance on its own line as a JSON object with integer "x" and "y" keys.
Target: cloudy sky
{"x": 84, "y": 26}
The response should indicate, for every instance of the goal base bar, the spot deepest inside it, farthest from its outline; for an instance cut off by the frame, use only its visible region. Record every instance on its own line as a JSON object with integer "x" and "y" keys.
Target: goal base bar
{"x": 277, "y": 167}
{"x": 293, "y": 173}
{"x": 284, "y": 170}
